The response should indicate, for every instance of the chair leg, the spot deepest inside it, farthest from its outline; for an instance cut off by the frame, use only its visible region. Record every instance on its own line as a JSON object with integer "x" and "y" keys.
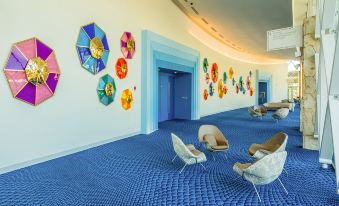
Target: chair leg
{"x": 256, "y": 192}
{"x": 174, "y": 158}
{"x": 183, "y": 168}
{"x": 203, "y": 166}
{"x": 283, "y": 186}
{"x": 285, "y": 171}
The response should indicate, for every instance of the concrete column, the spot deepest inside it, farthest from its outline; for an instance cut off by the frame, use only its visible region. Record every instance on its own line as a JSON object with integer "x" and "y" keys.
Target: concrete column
{"x": 309, "y": 93}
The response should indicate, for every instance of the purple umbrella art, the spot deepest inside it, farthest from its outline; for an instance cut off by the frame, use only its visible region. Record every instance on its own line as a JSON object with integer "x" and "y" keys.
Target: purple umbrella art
{"x": 32, "y": 71}
{"x": 127, "y": 45}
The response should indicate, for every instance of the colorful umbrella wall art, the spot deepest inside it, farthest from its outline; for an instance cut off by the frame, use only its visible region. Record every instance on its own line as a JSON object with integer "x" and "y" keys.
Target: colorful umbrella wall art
{"x": 92, "y": 48}
{"x": 205, "y": 94}
{"x": 207, "y": 78}
{"x": 230, "y": 72}
{"x": 127, "y": 44}
{"x": 225, "y": 77}
{"x": 32, "y": 71}
{"x": 121, "y": 68}
{"x": 205, "y": 65}
{"x": 214, "y": 72}
{"x": 106, "y": 89}
{"x": 220, "y": 89}
{"x": 211, "y": 89}
{"x": 127, "y": 99}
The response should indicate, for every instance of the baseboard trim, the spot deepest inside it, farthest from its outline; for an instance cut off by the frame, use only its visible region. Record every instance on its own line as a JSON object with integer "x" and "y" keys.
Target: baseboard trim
{"x": 17, "y": 166}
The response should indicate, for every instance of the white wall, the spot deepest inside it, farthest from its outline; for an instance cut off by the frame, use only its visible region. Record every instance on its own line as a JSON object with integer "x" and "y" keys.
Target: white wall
{"x": 74, "y": 117}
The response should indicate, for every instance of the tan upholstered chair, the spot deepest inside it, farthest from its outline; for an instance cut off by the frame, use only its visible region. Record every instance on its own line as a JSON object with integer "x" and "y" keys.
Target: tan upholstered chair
{"x": 276, "y": 144}
{"x": 280, "y": 114}
{"x": 213, "y": 139}
{"x": 187, "y": 153}
{"x": 263, "y": 171}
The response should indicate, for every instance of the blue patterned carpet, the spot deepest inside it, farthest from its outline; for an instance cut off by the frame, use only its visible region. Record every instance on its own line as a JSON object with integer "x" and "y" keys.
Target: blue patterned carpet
{"x": 138, "y": 171}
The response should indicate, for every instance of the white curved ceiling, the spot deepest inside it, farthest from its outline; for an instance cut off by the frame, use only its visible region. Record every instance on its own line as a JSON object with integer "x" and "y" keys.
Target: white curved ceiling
{"x": 242, "y": 24}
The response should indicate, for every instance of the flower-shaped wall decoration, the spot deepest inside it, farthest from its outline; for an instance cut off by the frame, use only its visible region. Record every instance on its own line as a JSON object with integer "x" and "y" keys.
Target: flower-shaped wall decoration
{"x": 205, "y": 94}
{"x": 127, "y": 99}
{"x": 92, "y": 48}
{"x": 127, "y": 44}
{"x": 207, "y": 78}
{"x": 211, "y": 89}
{"x": 214, "y": 72}
{"x": 205, "y": 65}
{"x": 230, "y": 72}
{"x": 121, "y": 68}
{"x": 32, "y": 71}
{"x": 220, "y": 89}
{"x": 225, "y": 78}
{"x": 241, "y": 83}
{"x": 106, "y": 89}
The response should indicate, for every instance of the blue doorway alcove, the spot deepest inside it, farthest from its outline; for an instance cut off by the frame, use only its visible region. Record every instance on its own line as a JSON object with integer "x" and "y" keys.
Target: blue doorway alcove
{"x": 160, "y": 52}
{"x": 263, "y": 87}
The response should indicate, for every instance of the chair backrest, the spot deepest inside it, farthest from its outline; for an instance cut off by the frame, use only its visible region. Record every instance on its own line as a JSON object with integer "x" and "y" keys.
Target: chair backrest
{"x": 281, "y": 113}
{"x": 180, "y": 148}
{"x": 211, "y": 130}
{"x": 267, "y": 169}
{"x": 277, "y": 143}
{"x": 252, "y": 111}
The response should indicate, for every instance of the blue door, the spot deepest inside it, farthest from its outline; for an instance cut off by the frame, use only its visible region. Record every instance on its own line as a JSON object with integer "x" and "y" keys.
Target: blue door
{"x": 262, "y": 93}
{"x": 182, "y": 96}
{"x": 166, "y": 97}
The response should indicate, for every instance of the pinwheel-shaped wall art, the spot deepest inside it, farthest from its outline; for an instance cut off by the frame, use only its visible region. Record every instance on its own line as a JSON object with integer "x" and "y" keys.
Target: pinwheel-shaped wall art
{"x": 214, "y": 72}
{"x": 205, "y": 94}
{"x": 106, "y": 89}
{"x": 207, "y": 78}
{"x": 230, "y": 72}
{"x": 237, "y": 88}
{"x": 32, "y": 71}
{"x": 241, "y": 83}
{"x": 121, "y": 68}
{"x": 92, "y": 48}
{"x": 225, "y": 78}
{"x": 211, "y": 89}
{"x": 127, "y": 44}
{"x": 205, "y": 65}
{"x": 126, "y": 99}
{"x": 220, "y": 89}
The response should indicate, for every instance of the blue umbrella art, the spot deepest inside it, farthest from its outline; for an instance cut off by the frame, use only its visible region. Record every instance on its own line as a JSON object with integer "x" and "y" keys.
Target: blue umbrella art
{"x": 92, "y": 48}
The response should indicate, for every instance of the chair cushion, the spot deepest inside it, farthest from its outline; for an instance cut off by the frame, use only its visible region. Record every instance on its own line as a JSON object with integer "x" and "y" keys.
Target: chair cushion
{"x": 255, "y": 147}
{"x": 210, "y": 139}
{"x": 219, "y": 147}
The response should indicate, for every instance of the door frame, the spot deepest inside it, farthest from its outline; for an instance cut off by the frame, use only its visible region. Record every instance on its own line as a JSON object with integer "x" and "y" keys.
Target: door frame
{"x": 158, "y": 51}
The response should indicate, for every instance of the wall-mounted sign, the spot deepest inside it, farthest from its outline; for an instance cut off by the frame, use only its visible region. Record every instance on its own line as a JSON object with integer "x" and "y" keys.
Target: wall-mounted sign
{"x": 284, "y": 38}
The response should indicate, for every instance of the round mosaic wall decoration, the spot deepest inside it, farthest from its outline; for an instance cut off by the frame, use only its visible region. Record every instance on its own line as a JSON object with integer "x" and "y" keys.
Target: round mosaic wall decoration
{"x": 205, "y": 65}
{"x": 127, "y": 44}
{"x": 32, "y": 71}
{"x": 207, "y": 78}
{"x": 92, "y": 48}
{"x": 211, "y": 88}
{"x": 225, "y": 77}
{"x": 127, "y": 99}
{"x": 220, "y": 89}
{"x": 214, "y": 72}
{"x": 106, "y": 89}
{"x": 230, "y": 73}
{"x": 121, "y": 68}
{"x": 205, "y": 94}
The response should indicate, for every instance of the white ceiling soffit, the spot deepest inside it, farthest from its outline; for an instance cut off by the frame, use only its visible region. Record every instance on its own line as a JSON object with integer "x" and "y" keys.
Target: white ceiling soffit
{"x": 240, "y": 27}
